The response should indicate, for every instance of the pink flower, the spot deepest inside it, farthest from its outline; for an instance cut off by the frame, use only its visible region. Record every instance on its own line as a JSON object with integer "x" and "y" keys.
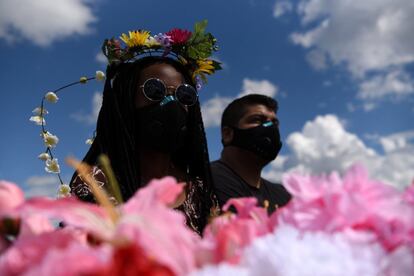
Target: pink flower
{"x": 132, "y": 260}
{"x": 331, "y": 204}
{"x": 408, "y": 195}
{"x": 179, "y": 36}
{"x": 145, "y": 220}
{"x": 227, "y": 236}
{"x": 26, "y": 253}
{"x": 11, "y": 196}
{"x": 158, "y": 229}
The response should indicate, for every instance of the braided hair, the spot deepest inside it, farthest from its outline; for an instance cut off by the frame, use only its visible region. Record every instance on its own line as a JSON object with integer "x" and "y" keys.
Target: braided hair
{"x": 116, "y": 133}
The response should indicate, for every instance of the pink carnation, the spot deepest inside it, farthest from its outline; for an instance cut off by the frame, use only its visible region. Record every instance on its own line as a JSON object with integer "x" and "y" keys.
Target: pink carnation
{"x": 329, "y": 203}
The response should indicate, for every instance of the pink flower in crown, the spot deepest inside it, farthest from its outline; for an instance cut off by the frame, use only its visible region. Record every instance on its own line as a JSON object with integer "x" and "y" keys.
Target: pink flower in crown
{"x": 179, "y": 36}
{"x": 331, "y": 204}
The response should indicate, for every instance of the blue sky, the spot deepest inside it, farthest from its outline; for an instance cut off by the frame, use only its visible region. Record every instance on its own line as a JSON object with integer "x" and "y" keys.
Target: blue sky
{"x": 342, "y": 73}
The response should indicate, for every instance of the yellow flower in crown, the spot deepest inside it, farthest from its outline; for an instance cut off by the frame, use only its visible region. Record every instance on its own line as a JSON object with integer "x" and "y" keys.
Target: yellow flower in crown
{"x": 204, "y": 66}
{"x": 135, "y": 38}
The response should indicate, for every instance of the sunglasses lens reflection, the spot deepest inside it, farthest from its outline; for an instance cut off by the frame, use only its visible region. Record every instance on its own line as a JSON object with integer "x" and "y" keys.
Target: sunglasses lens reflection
{"x": 186, "y": 94}
{"x": 154, "y": 89}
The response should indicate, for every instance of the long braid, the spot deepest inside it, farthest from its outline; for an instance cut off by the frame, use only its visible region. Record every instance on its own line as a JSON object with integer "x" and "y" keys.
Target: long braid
{"x": 207, "y": 189}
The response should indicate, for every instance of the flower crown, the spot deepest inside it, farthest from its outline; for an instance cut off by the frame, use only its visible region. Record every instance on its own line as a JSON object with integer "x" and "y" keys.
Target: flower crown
{"x": 192, "y": 49}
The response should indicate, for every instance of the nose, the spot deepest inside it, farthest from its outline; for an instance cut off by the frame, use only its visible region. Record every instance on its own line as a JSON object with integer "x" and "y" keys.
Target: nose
{"x": 170, "y": 90}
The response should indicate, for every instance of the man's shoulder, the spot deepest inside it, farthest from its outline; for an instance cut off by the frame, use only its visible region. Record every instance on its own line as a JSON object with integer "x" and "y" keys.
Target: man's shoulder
{"x": 219, "y": 168}
{"x": 222, "y": 174}
{"x": 276, "y": 187}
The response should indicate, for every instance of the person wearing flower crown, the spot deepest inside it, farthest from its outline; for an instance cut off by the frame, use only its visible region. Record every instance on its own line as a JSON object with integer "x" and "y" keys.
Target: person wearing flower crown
{"x": 150, "y": 124}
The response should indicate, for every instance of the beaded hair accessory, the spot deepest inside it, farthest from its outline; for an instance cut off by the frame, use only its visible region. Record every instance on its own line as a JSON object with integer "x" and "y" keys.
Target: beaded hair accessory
{"x": 192, "y": 49}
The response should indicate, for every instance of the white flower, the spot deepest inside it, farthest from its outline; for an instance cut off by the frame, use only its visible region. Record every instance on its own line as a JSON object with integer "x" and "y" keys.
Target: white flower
{"x": 44, "y": 156}
{"x": 89, "y": 141}
{"x": 64, "y": 191}
{"x": 151, "y": 41}
{"x": 50, "y": 139}
{"x": 83, "y": 80}
{"x": 100, "y": 76}
{"x": 39, "y": 120}
{"x": 40, "y": 111}
{"x": 51, "y": 97}
{"x": 52, "y": 166}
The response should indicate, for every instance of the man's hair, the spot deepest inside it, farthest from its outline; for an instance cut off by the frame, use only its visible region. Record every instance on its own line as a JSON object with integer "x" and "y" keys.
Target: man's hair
{"x": 237, "y": 108}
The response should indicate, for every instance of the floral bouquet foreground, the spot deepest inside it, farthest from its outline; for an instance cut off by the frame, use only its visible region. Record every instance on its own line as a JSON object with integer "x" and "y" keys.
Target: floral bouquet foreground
{"x": 332, "y": 226}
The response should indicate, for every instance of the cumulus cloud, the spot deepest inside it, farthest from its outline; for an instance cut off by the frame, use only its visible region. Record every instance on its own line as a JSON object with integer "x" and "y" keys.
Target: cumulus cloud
{"x": 317, "y": 59}
{"x": 396, "y": 141}
{"x": 396, "y": 82}
{"x": 44, "y": 21}
{"x": 91, "y": 117}
{"x": 282, "y": 7}
{"x": 214, "y": 107}
{"x": 46, "y": 185}
{"x": 212, "y": 110}
{"x": 263, "y": 87}
{"x": 101, "y": 58}
{"x": 370, "y": 38}
{"x": 324, "y": 145}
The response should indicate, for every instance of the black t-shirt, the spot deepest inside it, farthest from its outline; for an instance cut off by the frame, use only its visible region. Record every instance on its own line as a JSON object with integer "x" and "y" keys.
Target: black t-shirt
{"x": 228, "y": 184}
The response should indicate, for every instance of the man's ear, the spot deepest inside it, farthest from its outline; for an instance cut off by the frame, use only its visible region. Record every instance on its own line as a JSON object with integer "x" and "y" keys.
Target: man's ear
{"x": 226, "y": 135}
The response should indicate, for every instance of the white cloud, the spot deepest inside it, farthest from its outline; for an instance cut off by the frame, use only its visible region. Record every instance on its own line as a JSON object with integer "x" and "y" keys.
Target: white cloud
{"x": 90, "y": 118}
{"x": 324, "y": 145}
{"x": 101, "y": 58}
{"x": 396, "y": 141}
{"x": 369, "y": 106}
{"x": 44, "y": 21}
{"x": 282, "y": 7}
{"x": 397, "y": 82}
{"x": 263, "y": 87}
{"x": 370, "y": 38}
{"x": 214, "y": 107}
{"x": 317, "y": 59}
{"x": 42, "y": 186}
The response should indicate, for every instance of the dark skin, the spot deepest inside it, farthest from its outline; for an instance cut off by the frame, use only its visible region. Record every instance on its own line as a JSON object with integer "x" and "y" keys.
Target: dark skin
{"x": 245, "y": 163}
{"x": 155, "y": 164}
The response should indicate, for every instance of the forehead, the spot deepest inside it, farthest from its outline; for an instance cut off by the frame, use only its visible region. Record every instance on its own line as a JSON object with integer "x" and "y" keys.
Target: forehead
{"x": 163, "y": 71}
{"x": 258, "y": 109}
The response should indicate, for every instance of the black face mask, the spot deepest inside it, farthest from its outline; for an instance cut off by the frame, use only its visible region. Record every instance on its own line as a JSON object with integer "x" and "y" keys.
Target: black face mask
{"x": 263, "y": 140}
{"x": 162, "y": 127}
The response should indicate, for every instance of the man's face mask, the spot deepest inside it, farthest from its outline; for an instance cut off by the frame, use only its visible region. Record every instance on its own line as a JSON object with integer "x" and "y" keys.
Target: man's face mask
{"x": 263, "y": 140}
{"x": 162, "y": 127}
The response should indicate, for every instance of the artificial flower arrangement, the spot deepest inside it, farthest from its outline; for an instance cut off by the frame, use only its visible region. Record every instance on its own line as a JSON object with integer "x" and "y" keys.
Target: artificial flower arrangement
{"x": 192, "y": 49}
{"x": 332, "y": 226}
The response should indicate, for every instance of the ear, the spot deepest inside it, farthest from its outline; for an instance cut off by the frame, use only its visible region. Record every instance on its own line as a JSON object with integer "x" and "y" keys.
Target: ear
{"x": 226, "y": 135}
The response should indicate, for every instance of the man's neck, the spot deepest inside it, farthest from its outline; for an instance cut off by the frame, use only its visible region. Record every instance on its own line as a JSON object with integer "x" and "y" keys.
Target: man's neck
{"x": 246, "y": 164}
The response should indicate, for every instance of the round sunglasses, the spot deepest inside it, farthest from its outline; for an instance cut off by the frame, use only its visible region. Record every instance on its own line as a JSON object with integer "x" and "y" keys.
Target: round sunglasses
{"x": 155, "y": 90}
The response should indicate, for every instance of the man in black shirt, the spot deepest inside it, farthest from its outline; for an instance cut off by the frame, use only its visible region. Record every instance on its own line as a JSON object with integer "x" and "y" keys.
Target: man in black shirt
{"x": 251, "y": 139}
